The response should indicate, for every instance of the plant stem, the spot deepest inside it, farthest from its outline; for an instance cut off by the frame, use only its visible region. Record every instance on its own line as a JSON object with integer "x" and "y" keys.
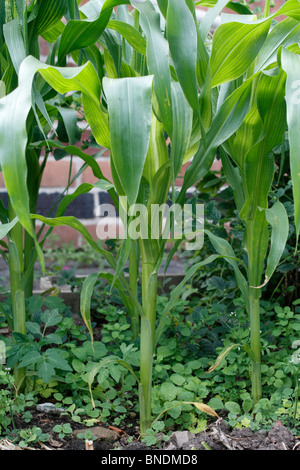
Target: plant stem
{"x": 296, "y": 395}
{"x": 267, "y": 8}
{"x": 28, "y": 253}
{"x": 134, "y": 260}
{"x": 148, "y": 320}
{"x": 16, "y": 268}
{"x": 255, "y": 343}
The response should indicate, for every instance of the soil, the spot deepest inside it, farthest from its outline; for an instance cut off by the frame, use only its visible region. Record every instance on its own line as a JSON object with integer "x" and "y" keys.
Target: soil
{"x": 216, "y": 437}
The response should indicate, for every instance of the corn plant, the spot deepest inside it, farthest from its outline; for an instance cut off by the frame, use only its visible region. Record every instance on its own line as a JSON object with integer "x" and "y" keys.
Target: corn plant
{"x": 202, "y": 101}
{"x": 247, "y": 157}
{"x": 22, "y": 26}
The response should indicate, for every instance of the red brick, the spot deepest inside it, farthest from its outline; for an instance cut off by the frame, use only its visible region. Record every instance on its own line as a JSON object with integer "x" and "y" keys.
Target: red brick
{"x": 44, "y": 47}
{"x": 88, "y": 176}
{"x": 64, "y": 234}
{"x": 216, "y": 166}
{"x": 56, "y": 174}
{"x": 180, "y": 176}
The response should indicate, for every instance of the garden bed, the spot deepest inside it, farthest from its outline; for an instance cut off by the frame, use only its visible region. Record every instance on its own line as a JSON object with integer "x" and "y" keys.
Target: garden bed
{"x": 237, "y": 429}
{"x": 217, "y": 436}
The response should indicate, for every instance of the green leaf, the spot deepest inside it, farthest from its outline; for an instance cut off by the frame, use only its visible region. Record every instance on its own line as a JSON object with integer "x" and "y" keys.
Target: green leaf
{"x": 230, "y": 59}
{"x": 104, "y": 363}
{"x": 278, "y": 219}
{"x": 176, "y": 293}
{"x": 226, "y": 121}
{"x": 69, "y": 117}
{"x": 14, "y": 109}
{"x": 46, "y": 371}
{"x": 49, "y": 14}
{"x": 182, "y": 37}
{"x": 34, "y": 328}
{"x": 157, "y": 52}
{"x": 259, "y": 162}
{"x": 285, "y": 33}
{"x": 5, "y": 228}
{"x": 85, "y": 300}
{"x": 15, "y": 43}
{"x": 291, "y": 65}
{"x": 233, "y": 407}
{"x": 157, "y": 155}
{"x": 234, "y": 179}
{"x": 234, "y": 6}
{"x": 83, "y": 33}
{"x": 130, "y": 33}
{"x": 52, "y": 338}
{"x": 103, "y": 182}
{"x": 289, "y": 8}
{"x": 51, "y": 318}
{"x": 225, "y": 250}
{"x": 30, "y": 358}
{"x": 130, "y": 113}
{"x": 76, "y": 225}
{"x": 96, "y": 351}
{"x": 211, "y": 15}
{"x": 168, "y": 391}
{"x": 52, "y": 34}
{"x": 163, "y": 6}
{"x": 181, "y": 130}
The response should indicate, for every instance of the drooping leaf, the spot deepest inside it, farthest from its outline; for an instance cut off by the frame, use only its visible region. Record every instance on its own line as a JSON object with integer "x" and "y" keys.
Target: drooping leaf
{"x": 14, "y": 109}
{"x": 278, "y": 219}
{"x": 130, "y": 112}
{"x": 85, "y": 300}
{"x": 130, "y": 33}
{"x": 83, "y": 33}
{"x": 289, "y": 8}
{"x": 5, "y": 228}
{"x": 74, "y": 223}
{"x": 224, "y": 249}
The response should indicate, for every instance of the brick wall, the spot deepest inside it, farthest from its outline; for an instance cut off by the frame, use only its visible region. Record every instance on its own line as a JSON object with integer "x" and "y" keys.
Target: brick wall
{"x": 87, "y": 207}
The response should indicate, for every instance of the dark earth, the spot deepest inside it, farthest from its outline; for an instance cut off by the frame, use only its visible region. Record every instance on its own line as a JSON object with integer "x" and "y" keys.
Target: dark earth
{"x": 217, "y": 437}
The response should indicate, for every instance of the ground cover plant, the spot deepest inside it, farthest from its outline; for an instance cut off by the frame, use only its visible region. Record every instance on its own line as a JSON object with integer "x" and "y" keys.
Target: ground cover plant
{"x": 154, "y": 108}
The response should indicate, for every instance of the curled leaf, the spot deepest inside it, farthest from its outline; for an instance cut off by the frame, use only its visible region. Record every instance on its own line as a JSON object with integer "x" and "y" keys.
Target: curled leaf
{"x": 205, "y": 409}
{"x": 220, "y": 357}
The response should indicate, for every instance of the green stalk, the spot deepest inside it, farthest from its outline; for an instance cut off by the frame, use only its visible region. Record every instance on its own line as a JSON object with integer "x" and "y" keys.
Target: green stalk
{"x": 296, "y": 395}
{"x": 16, "y": 268}
{"x": 267, "y": 9}
{"x": 148, "y": 321}
{"x": 134, "y": 260}
{"x": 256, "y": 247}
{"x": 254, "y": 302}
{"x": 28, "y": 268}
